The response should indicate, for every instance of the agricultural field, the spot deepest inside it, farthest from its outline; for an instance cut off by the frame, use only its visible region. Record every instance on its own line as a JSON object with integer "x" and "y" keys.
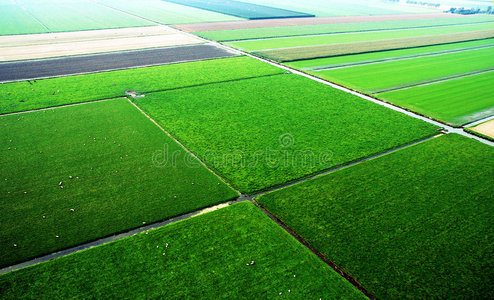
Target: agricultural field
{"x": 15, "y": 20}
{"x": 83, "y": 172}
{"x": 234, "y": 251}
{"x": 36, "y": 94}
{"x": 165, "y": 12}
{"x": 451, "y": 100}
{"x": 410, "y": 224}
{"x": 47, "y": 45}
{"x": 249, "y": 149}
{"x": 67, "y": 15}
{"x": 290, "y": 42}
{"x": 286, "y": 31}
{"x": 382, "y": 56}
{"x": 382, "y": 77}
{"x": 257, "y": 133}
{"x": 331, "y": 8}
{"x": 242, "y": 9}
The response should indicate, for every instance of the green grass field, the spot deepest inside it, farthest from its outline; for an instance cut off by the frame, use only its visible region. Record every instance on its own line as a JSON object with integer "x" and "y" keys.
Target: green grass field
{"x": 346, "y": 60}
{"x": 14, "y": 20}
{"x": 236, "y": 127}
{"x": 413, "y": 224}
{"x": 270, "y": 32}
{"x": 64, "y": 15}
{"x": 167, "y": 13}
{"x": 120, "y": 179}
{"x": 22, "y": 96}
{"x": 208, "y": 256}
{"x": 379, "y": 77}
{"x": 456, "y": 101}
{"x": 288, "y": 42}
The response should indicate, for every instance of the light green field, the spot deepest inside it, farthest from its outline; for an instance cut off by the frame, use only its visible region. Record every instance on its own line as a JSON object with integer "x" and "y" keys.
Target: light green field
{"x": 22, "y": 96}
{"x": 269, "y": 32}
{"x": 413, "y": 224}
{"x": 15, "y": 20}
{"x": 121, "y": 177}
{"x": 207, "y": 257}
{"x": 456, "y": 101}
{"x": 262, "y": 132}
{"x": 355, "y": 59}
{"x": 378, "y": 77}
{"x": 288, "y": 42}
{"x": 65, "y": 15}
{"x": 167, "y": 13}
{"x": 331, "y": 8}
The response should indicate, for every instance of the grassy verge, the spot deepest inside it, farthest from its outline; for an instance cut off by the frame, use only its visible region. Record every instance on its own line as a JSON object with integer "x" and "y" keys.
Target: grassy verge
{"x": 79, "y": 173}
{"x": 457, "y": 101}
{"x": 235, "y": 252}
{"x": 22, "y": 96}
{"x": 264, "y": 132}
{"x": 416, "y": 223}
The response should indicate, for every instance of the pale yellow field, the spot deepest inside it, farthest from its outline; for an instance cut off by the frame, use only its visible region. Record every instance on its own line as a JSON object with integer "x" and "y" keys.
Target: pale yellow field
{"x": 35, "y": 46}
{"x": 486, "y": 128}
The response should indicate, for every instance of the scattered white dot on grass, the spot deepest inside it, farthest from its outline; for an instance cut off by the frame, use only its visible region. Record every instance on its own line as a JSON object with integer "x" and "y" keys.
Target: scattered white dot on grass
{"x": 166, "y": 245}
{"x": 25, "y": 192}
{"x": 281, "y": 293}
{"x": 60, "y": 183}
{"x": 294, "y": 276}
{"x": 72, "y": 210}
{"x": 143, "y": 222}
{"x": 57, "y": 236}
{"x": 44, "y": 217}
{"x": 289, "y": 291}
{"x": 157, "y": 246}
{"x": 163, "y": 253}
{"x": 15, "y": 245}
{"x": 61, "y": 187}
{"x": 252, "y": 263}
{"x": 70, "y": 177}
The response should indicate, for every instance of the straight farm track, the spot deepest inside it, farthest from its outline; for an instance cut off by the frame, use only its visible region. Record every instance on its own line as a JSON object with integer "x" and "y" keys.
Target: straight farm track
{"x": 24, "y": 70}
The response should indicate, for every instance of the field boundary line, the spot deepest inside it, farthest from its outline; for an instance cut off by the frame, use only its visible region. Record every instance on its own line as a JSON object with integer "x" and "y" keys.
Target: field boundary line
{"x": 432, "y": 81}
{"x": 117, "y": 236}
{"x": 381, "y": 60}
{"x": 348, "y": 165}
{"x": 302, "y": 241}
{"x": 185, "y": 148}
{"x": 60, "y": 106}
{"x": 338, "y": 33}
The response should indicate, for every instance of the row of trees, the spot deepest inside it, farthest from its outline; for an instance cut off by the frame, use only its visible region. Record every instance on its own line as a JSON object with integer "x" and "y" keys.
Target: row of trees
{"x": 471, "y": 11}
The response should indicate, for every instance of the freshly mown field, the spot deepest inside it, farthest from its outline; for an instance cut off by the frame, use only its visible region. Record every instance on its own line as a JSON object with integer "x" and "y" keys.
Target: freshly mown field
{"x": 14, "y": 20}
{"x": 288, "y": 42}
{"x": 380, "y": 77}
{"x": 263, "y": 132}
{"x": 328, "y": 8}
{"x": 416, "y": 223}
{"x": 270, "y": 32}
{"x": 74, "y": 15}
{"x": 105, "y": 161}
{"x": 242, "y": 9}
{"x": 364, "y": 58}
{"x": 233, "y": 252}
{"x": 456, "y": 101}
{"x": 167, "y": 13}
{"x": 22, "y": 96}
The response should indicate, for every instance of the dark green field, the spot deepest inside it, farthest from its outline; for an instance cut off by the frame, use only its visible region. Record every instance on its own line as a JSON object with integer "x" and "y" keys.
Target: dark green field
{"x": 109, "y": 159}
{"x": 209, "y": 256}
{"x": 22, "y": 96}
{"x": 236, "y": 127}
{"x": 416, "y": 223}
